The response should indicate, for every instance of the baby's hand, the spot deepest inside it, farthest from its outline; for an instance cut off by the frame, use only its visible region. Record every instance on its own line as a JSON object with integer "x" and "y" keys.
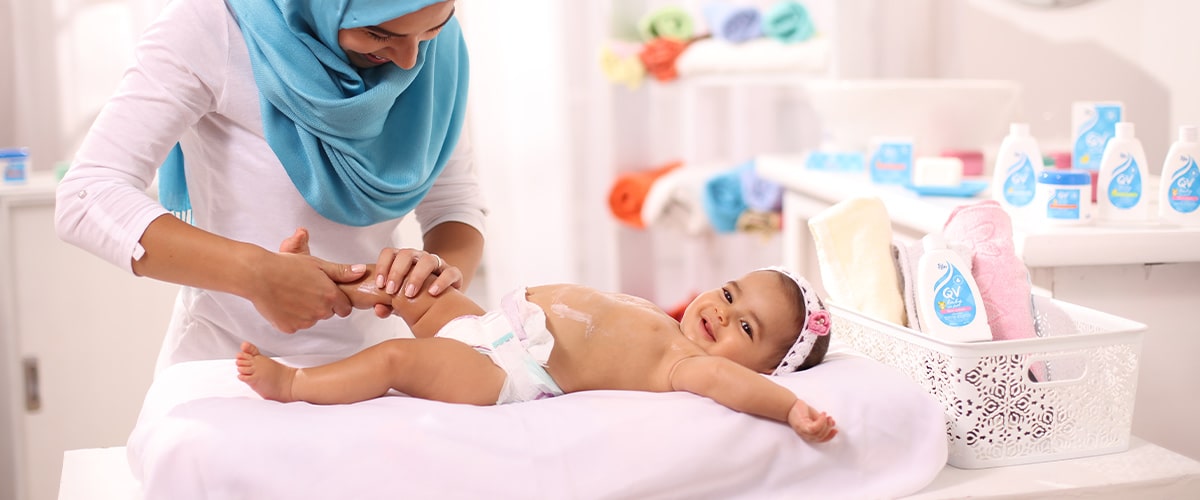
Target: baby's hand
{"x": 813, "y": 426}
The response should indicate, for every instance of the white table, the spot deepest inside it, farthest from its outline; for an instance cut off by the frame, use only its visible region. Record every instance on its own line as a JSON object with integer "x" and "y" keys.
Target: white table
{"x": 1144, "y": 471}
{"x": 1147, "y": 274}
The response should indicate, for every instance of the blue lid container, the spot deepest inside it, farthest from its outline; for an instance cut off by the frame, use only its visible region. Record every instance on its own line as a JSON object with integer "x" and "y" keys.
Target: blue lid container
{"x": 1065, "y": 177}
{"x": 15, "y": 153}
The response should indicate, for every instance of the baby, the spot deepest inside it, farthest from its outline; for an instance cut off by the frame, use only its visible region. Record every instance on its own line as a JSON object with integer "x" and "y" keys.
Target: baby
{"x": 545, "y": 341}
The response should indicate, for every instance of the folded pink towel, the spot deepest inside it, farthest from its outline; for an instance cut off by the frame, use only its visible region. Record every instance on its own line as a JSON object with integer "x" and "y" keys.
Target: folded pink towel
{"x": 1002, "y": 277}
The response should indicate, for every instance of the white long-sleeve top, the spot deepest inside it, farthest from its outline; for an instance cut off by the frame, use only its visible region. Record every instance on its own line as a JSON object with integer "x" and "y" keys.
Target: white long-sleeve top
{"x": 192, "y": 83}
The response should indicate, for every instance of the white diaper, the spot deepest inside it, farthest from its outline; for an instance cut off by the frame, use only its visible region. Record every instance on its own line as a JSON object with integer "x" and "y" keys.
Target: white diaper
{"x": 516, "y": 339}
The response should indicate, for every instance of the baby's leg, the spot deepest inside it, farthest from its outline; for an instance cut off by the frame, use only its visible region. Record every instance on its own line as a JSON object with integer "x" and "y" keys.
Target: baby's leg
{"x": 425, "y": 314}
{"x": 435, "y": 368}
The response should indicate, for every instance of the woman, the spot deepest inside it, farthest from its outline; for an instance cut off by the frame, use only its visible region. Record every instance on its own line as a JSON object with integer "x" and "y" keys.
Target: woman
{"x": 336, "y": 116}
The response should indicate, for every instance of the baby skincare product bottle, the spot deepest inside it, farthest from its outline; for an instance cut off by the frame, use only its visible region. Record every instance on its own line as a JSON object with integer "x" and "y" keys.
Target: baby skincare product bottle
{"x": 1014, "y": 178}
{"x": 1119, "y": 190}
{"x": 949, "y": 305}
{"x": 1179, "y": 194}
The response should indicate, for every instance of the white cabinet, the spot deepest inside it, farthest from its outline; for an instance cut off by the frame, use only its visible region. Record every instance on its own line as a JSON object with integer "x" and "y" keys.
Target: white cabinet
{"x": 88, "y": 331}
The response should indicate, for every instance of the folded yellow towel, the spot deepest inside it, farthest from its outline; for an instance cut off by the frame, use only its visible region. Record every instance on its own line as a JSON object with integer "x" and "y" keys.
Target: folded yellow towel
{"x": 854, "y": 250}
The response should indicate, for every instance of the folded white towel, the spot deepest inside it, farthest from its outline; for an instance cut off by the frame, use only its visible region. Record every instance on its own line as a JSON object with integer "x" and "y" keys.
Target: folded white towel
{"x": 854, "y": 252}
{"x": 676, "y": 200}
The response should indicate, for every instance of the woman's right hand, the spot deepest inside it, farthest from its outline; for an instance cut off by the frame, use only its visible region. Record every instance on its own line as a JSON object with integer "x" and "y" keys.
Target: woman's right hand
{"x": 294, "y": 290}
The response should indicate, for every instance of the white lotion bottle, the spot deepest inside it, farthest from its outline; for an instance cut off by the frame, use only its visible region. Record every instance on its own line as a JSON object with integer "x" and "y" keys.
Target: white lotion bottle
{"x": 948, "y": 301}
{"x": 1018, "y": 163}
{"x": 1120, "y": 190}
{"x": 1179, "y": 191}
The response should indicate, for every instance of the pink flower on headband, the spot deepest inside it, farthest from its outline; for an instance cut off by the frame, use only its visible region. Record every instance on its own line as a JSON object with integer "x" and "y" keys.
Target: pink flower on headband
{"x": 818, "y": 322}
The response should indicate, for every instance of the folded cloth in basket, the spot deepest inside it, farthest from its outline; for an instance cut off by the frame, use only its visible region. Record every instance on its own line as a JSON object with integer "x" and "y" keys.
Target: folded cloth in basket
{"x": 854, "y": 253}
{"x": 1002, "y": 277}
{"x": 204, "y": 434}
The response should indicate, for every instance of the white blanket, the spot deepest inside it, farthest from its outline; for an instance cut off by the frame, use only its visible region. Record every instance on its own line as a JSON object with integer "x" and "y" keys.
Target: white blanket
{"x": 203, "y": 434}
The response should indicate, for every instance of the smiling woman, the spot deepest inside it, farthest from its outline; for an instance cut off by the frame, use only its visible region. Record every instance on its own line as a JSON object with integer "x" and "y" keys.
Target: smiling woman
{"x": 397, "y": 40}
{"x": 287, "y": 121}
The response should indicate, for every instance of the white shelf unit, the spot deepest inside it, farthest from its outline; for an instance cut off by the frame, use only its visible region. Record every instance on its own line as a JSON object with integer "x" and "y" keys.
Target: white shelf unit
{"x": 78, "y": 341}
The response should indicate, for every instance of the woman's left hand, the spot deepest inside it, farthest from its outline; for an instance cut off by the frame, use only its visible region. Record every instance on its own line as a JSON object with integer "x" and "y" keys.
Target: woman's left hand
{"x": 405, "y": 270}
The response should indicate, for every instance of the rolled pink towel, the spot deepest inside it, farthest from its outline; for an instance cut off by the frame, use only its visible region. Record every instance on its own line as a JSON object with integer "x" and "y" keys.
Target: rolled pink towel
{"x": 1002, "y": 277}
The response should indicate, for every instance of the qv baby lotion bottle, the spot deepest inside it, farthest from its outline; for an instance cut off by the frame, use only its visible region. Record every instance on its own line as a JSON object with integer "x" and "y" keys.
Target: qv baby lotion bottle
{"x": 1014, "y": 178}
{"x": 1120, "y": 194}
{"x": 1179, "y": 191}
{"x": 948, "y": 300}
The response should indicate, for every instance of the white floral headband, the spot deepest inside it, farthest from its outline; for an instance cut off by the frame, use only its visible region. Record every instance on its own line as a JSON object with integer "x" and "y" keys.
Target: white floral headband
{"x": 816, "y": 324}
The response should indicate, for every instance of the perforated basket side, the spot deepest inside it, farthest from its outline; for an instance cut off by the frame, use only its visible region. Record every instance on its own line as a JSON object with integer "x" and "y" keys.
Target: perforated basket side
{"x": 1081, "y": 403}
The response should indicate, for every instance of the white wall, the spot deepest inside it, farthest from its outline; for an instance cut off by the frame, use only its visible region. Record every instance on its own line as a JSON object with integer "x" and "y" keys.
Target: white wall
{"x": 1133, "y": 51}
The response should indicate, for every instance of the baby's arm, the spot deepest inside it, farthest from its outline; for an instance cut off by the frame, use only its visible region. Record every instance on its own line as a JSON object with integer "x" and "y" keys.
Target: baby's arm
{"x": 425, "y": 314}
{"x": 741, "y": 389}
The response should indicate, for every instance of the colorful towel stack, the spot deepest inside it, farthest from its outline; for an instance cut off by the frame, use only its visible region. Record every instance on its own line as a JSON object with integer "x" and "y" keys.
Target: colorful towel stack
{"x": 665, "y": 33}
{"x": 697, "y": 199}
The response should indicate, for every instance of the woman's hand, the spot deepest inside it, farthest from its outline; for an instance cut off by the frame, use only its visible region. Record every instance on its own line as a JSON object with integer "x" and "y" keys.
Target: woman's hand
{"x": 294, "y": 290}
{"x": 813, "y": 426}
{"x": 405, "y": 270}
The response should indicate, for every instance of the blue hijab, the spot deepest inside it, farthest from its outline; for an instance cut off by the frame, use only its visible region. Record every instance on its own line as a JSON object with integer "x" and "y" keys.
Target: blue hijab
{"x": 361, "y": 146}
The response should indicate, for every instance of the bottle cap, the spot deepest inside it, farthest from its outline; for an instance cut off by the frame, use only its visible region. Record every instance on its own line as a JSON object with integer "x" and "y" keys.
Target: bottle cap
{"x": 1018, "y": 129}
{"x": 1188, "y": 133}
{"x": 1065, "y": 177}
{"x": 933, "y": 241}
{"x": 1124, "y": 130}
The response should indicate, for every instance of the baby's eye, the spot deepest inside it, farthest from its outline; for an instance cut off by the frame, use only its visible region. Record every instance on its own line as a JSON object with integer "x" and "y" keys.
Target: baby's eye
{"x": 728, "y": 296}
{"x": 746, "y": 328}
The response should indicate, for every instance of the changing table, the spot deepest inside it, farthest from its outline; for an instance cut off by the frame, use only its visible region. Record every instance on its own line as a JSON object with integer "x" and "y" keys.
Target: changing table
{"x": 1144, "y": 471}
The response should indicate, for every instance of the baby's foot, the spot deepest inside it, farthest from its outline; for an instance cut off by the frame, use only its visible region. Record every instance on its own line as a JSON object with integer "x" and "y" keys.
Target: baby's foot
{"x": 267, "y": 377}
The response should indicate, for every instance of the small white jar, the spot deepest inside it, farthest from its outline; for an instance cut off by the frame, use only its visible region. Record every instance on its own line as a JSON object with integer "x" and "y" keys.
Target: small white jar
{"x": 1064, "y": 197}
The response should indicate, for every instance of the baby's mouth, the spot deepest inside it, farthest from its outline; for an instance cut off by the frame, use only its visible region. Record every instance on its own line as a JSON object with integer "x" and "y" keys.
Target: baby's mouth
{"x": 708, "y": 329}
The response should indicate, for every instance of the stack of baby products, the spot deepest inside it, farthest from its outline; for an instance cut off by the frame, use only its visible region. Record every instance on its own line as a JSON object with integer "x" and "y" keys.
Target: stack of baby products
{"x": 1104, "y": 178}
{"x": 1022, "y": 378}
{"x": 727, "y": 38}
{"x": 964, "y": 284}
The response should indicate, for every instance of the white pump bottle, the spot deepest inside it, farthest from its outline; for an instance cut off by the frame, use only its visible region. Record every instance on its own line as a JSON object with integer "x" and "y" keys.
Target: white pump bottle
{"x": 1179, "y": 192}
{"x": 1018, "y": 163}
{"x": 1120, "y": 190}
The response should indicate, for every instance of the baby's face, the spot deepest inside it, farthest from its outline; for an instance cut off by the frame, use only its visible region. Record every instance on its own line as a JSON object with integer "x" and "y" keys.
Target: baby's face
{"x": 747, "y": 320}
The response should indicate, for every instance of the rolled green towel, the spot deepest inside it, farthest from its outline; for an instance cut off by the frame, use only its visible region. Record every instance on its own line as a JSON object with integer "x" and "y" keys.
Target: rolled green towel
{"x": 788, "y": 21}
{"x": 668, "y": 22}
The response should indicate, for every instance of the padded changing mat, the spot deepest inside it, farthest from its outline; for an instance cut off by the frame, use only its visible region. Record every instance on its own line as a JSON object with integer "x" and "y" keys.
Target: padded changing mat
{"x": 204, "y": 434}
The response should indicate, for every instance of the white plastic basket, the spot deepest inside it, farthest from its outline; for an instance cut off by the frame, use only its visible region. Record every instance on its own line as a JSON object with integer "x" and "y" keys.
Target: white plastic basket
{"x": 1068, "y": 393}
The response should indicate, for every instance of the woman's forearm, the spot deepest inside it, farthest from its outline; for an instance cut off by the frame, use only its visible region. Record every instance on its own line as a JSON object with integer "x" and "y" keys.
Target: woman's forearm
{"x": 179, "y": 253}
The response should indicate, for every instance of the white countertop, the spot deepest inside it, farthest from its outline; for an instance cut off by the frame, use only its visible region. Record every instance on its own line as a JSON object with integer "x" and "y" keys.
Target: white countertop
{"x": 1143, "y": 471}
{"x": 1037, "y": 246}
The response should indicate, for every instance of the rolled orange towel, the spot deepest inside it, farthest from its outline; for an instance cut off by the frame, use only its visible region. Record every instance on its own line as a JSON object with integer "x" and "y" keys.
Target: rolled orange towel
{"x": 628, "y": 193}
{"x": 658, "y": 57}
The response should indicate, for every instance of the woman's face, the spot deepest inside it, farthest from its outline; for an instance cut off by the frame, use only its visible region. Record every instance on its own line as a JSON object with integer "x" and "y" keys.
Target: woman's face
{"x": 395, "y": 41}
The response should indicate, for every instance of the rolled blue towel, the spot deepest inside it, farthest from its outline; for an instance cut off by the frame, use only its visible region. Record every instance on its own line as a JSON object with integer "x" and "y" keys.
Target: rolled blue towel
{"x": 760, "y": 194}
{"x": 733, "y": 23}
{"x": 788, "y": 21}
{"x": 723, "y": 200}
